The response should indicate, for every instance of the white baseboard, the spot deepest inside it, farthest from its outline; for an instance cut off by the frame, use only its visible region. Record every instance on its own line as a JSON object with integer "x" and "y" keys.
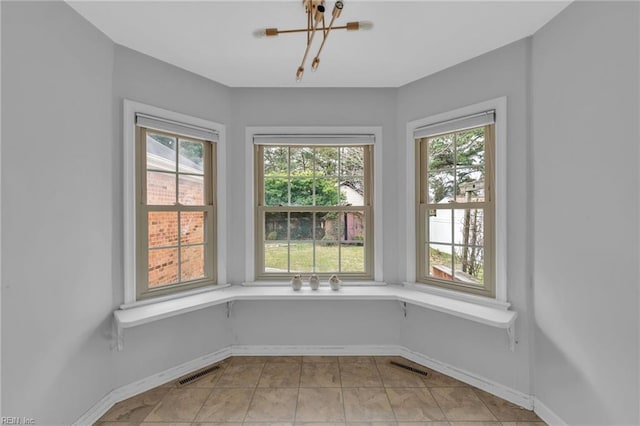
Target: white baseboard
{"x": 497, "y": 389}
{"x": 327, "y": 350}
{"x": 97, "y": 411}
{"x": 143, "y": 385}
{"x": 545, "y": 413}
{"x": 132, "y": 389}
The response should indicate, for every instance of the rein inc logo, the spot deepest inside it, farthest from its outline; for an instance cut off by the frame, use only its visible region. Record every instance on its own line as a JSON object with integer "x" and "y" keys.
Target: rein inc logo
{"x": 17, "y": 420}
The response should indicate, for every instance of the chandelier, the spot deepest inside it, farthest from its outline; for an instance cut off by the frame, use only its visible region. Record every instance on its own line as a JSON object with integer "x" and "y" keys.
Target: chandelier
{"x": 315, "y": 11}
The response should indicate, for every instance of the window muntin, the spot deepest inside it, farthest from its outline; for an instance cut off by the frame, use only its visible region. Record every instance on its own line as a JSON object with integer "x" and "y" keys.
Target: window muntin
{"x": 314, "y": 211}
{"x": 175, "y": 212}
{"x": 455, "y": 243}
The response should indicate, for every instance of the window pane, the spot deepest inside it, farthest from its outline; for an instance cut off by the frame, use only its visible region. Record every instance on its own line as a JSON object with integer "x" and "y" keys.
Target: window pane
{"x": 328, "y": 226}
{"x": 352, "y": 257}
{"x": 440, "y": 261}
{"x": 275, "y": 226}
{"x": 327, "y": 254}
{"x": 470, "y": 147}
{"x": 301, "y": 161}
{"x": 353, "y": 226}
{"x": 301, "y": 257}
{"x": 352, "y": 161}
{"x": 191, "y": 190}
{"x": 470, "y": 184}
{"x": 311, "y": 241}
{"x": 326, "y": 161}
{"x": 276, "y": 160}
{"x": 163, "y": 229}
{"x": 301, "y": 226}
{"x": 327, "y": 192}
{"x": 191, "y": 157}
{"x": 302, "y": 191}
{"x": 469, "y": 227}
{"x": 163, "y": 267}
{"x": 276, "y": 256}
{"x": 441, "y": 186}
{"x": 192, "y": 263}
{"x": 441, "y": 151}
{"x": 161, "y": 152}
{"x": 469, "y": 265}
{"x": 276, "y": 192}
{"x": 192, "y": 227}
{"x": 352, "y": 192}
{"x": 439, "y": 226}
{"x": 161, "y": 189}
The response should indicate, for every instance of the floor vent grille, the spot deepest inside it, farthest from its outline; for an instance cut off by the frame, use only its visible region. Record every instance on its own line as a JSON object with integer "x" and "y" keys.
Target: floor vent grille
{"x": 197, "y": 375}
{"x": 406, "y": 367}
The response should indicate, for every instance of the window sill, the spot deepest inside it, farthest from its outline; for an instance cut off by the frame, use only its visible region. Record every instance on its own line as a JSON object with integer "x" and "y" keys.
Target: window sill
{"x": 491, "y": 316}
{"x": 178, "y": 295}
{"x": 457, "y": 295}
{"x": 277, "y": 283}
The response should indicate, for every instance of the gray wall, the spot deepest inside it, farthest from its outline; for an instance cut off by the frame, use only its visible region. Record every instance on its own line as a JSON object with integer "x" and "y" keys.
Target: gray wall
{"x": 156, "y": 347}
{"x": 478, "y": 349}
{"x": 585, "y": 213}
{"x": 63, "y": 85}
{"x": 360, "y": 323}
{"x": 57, "y": 212}
{"x": 312, "y": 107}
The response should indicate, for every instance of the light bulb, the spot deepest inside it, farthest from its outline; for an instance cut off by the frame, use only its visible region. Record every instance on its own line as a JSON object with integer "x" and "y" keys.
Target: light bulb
{"x": 319, "y": 14}
{"x": 337, "y": 8}
{"x": 299, "y": 74}
{"x": 260, "y": 33}
{"x": 365, "y": 25}
{"x": 315, "y": 63}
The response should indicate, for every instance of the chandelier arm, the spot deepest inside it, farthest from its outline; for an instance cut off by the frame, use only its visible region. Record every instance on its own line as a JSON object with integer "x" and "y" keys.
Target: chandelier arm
{"x": 318, "y": 17}
{"x": 308, "y": 26}
{"x": 306, "y": 51}
{"x": 324, "y": 39}
{"x": 301, "y": 30}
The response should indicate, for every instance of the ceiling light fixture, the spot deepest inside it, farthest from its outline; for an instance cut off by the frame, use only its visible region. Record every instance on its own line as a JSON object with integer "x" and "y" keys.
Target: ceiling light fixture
{"x": 315, "y": 21}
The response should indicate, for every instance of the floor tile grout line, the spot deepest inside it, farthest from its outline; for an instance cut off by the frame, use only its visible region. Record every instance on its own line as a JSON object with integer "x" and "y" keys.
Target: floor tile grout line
{"x": 438, "y": 404}
{"x": 485, "y": 404}
{"x": 386, "y": 393}
{"x": 344, "y": 403}
{"x": 341, "y": 366}
{"x": 295, "y": 411}
{"x": 158, "y": 403}
{"x": 202, "y": 406}
{"x": 223, "y": 368}
{"x": 253, "y": 394}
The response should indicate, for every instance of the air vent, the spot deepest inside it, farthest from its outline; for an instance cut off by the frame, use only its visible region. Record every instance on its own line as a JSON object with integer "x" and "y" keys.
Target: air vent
{"x": 197, "y": 375}
{"x": 406, "y": 367}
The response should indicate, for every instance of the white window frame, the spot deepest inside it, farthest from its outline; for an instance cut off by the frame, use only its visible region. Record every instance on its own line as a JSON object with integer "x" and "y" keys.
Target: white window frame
{"x": 130, "y": 108}
{"x": 500, "y": 186}
{"x": 250, "y": 207}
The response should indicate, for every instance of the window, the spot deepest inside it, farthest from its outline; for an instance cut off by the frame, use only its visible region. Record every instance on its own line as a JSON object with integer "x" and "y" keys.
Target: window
{"x": 456, "y": 204}
{"x": 175, "y": 210}
{"x": 314, "y": 209}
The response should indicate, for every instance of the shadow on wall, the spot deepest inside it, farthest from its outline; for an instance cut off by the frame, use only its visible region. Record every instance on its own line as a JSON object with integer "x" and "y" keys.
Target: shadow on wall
{"x": 561, "y": 368}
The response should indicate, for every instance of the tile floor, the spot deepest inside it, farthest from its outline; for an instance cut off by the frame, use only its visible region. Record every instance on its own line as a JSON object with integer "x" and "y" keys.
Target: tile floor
{"x": 316, "y": 391}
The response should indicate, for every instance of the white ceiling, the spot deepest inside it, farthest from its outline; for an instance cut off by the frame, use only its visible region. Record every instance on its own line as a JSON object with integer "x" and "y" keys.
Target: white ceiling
{"x": 409, "y": 40}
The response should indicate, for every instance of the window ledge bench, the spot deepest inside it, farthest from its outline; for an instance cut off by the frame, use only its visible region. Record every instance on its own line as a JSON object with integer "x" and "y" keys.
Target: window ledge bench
{"x": 491, "y": 316}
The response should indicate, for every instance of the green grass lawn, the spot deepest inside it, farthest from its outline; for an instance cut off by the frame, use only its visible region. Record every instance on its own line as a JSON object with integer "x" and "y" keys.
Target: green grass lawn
{"x": 352, "y": 258}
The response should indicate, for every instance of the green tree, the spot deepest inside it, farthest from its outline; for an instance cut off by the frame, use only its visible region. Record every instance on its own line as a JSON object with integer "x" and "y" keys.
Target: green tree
{"x": 455, "y": 164}
{"x": 276, "y": 191}
{"x": 455, "y": 159}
